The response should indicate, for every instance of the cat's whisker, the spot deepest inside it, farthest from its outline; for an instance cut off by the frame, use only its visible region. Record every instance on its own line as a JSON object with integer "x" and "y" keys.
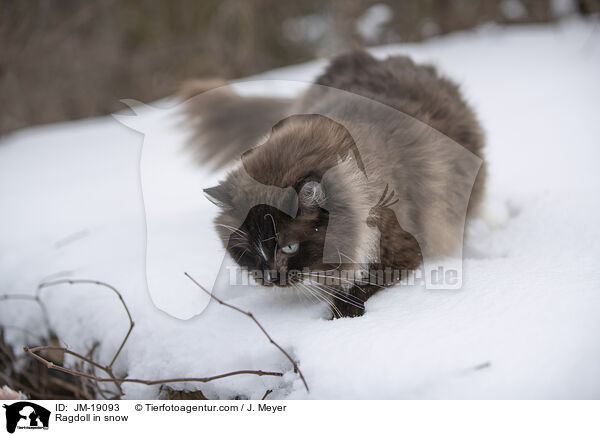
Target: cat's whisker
{"x": 338, "y": 293}
{"x": 241, "y": 255}
{"x": 352, "y": 282}
{"x": 337, "y": 297}
{"x": 369, "y": 272}
{"x": 340, "y": 279}
{"x": 299, "y": 293}
{"x": 233, "y": 229}
{"x": 326, "y": 300}
{"x": 348, "y": 257}
{"x": 314, "y": 298}
{"x": 273, "y": 221}
{"x": 232, "y": 236}
{"x": 351, "y": 300}
{"x": 239, "y": 243}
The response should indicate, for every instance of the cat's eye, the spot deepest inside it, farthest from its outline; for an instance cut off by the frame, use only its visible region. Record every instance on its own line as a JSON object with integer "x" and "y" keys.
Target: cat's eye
{"x": 290, "y": 248}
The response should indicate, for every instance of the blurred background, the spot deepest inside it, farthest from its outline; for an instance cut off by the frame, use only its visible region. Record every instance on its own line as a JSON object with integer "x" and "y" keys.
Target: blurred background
{"x": 69, "y": 59}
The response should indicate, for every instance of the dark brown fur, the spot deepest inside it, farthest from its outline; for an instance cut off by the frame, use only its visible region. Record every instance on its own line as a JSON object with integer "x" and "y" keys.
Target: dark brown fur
{"x": 414, "y": 174}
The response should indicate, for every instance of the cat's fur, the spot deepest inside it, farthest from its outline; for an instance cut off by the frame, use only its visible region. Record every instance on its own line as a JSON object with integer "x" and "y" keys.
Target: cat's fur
{"x": 406, "y": 166}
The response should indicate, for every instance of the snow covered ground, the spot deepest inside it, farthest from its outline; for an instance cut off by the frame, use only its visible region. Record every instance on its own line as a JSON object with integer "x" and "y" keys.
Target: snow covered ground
{"x": 526, "y": 323}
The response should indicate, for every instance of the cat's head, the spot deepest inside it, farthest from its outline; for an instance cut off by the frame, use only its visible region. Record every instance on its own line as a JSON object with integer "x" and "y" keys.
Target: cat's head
{"x": 277, "y": 205}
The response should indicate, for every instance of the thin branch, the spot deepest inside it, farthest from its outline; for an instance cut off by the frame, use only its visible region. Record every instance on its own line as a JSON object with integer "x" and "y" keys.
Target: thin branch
{"x": 18, "y": 297}
{"x": 36, "y": 299}
{"x": 267, "y": 394}
{"x": 90, "y": 355}
{"x": 79, "y": 368}
{"x": 51, "y": 365}
{"x": 106, "y": 285}
{"x": 251, "y": 316}
{"x": 67, "y": 351}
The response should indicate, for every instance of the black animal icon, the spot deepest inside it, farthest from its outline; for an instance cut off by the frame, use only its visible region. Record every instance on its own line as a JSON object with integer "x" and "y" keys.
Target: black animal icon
{"x": 31, "y": 413}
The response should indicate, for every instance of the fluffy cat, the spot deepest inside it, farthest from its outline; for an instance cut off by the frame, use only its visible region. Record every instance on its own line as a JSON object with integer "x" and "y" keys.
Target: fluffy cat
{"x": 366, "y": 166}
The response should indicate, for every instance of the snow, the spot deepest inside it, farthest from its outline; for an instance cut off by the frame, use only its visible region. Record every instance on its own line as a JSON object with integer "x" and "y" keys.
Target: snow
{"x": 524, "y": 325}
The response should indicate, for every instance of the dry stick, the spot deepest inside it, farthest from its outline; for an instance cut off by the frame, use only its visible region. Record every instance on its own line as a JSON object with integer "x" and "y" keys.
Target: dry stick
{"x": 18, "y": 297}
{"x": 267, "y": 394}
{"x": 251, "y": 316}
{"x": 50, "y": 365}
{"x": 102, "y": 392}
{"x": 90, "y": 355}
{"x": 11, "y": 362}
{"x": 108, "y": 369}
{"x": 4, "y": 347}
{"x": 36, "y": 299}
{"x": 72, "y": 353}
{"x": 106, "y": 285}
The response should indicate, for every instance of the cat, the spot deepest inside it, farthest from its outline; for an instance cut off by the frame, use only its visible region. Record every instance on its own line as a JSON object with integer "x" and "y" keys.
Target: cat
{"x": 367, "y": 165}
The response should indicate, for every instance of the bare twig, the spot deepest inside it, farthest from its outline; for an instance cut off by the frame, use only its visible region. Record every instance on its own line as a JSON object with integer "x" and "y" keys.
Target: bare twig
{"x": 18, "y": 297}
{"x": 50, "y": 365}
{"x": 90, "y": 355}
{"x": 67, "y": 351}
{"x": 269, "y": 391}
{"x": 34, "y": 298}
{"x": 251, "y": 316}
{"x": 79, "y": 367}
{"x": 106, "y": 285}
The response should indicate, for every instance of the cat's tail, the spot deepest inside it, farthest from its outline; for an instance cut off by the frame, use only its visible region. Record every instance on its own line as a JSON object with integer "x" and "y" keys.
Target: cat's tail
{"x": 225, "y": 124}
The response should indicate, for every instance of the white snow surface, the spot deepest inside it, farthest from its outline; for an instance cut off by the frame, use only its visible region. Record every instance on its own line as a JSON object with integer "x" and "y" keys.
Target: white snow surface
{"x": 526, "y": 323}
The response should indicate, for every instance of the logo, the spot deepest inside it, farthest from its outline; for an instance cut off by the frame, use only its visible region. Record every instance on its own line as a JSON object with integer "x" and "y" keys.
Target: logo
{"x": 26, "y": 415}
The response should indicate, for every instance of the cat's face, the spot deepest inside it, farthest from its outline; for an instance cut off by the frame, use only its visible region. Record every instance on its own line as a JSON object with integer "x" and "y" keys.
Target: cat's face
{"x": 278, "y": 248}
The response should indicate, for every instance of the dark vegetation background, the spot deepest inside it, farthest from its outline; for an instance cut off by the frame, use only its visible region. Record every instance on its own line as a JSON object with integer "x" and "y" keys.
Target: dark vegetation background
{"x": 68, "y": 59}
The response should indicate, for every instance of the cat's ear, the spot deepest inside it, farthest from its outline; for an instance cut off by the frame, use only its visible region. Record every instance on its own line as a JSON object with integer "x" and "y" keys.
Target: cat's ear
{"x": 219, "y": 195}
{"x": 311, "y": 196}
{"x": 298, "y": 118}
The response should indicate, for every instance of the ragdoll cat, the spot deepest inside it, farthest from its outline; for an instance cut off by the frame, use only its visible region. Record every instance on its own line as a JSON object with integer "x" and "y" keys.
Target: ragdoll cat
{"x": 393, "y": 185}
